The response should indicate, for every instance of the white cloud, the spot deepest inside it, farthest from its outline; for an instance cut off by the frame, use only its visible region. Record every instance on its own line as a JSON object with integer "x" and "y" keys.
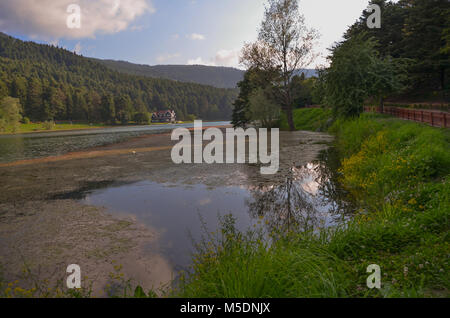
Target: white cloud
{"x": 229, "y": 58}
{"x": 167, "y": 57}
{"x": 196, "y": 36}
{"x": 78, "y": 48}
{"x": 199, "y": 61}
{"x": 47, "y": 18}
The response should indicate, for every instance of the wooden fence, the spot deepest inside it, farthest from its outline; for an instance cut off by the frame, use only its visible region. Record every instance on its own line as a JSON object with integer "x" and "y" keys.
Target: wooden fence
{"x": 431, "y": 117}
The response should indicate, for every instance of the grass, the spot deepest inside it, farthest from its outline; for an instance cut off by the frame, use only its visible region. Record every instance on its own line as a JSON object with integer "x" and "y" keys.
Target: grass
{"x": 40, "y": 127}
{"x": 314, "y": 119}
{"x": 399, "y": 173}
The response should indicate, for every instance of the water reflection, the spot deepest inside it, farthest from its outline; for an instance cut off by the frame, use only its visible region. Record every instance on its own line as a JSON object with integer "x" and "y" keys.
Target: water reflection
{"x": 306, "y": 200}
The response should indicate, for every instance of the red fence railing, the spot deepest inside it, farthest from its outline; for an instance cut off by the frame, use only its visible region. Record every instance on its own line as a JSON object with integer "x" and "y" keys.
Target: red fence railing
{"x": 433, "y": 118}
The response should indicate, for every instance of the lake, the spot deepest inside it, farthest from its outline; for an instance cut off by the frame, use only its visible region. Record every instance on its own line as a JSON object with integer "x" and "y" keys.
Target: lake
{"x": 53, "y": 143}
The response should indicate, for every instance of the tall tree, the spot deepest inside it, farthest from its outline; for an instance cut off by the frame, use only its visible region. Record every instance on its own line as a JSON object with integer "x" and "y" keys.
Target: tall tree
{"x": 10, "y": 114}
{"x": 284, "y": 43}
{"x": 254, "y": 78}
{"x": 34, "y": 104}
{"x": 357, "y": 72}
{"x": 108, "y": 110}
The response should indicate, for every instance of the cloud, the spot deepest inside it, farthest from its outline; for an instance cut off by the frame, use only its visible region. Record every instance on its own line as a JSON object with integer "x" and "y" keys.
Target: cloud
{"x": 196, "y": 36}
{"x": 229, "y": 58}
{"x": 199, "y": 61}
{"x": 47, "y": 19}
{"x": 167, "y": 57}
{"x": 78, "y": 48}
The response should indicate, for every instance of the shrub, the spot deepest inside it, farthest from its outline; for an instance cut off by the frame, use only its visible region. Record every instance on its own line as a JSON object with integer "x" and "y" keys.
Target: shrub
{"x": 48, "y": 125}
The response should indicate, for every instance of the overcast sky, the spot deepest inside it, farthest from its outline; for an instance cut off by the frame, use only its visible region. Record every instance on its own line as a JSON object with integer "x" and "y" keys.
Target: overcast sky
{"x": 152, "y": 32}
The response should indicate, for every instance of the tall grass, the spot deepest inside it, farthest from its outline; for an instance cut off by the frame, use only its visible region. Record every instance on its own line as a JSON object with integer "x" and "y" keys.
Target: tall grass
{"x": 399, "y": 172}
{"x": 235, "y": 264}
{"x": 313, "y": 119}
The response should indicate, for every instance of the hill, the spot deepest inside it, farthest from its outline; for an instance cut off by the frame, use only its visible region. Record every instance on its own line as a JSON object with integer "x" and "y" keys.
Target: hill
{"x": 221, "y": 77}
{"x": 53, "y": 83}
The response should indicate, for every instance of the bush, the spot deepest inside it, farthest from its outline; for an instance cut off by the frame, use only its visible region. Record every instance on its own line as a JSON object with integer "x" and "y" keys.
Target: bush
{"x": 10, "y": 116}
{"x": 142, "y": 118}
{"x": 48, "y": 125}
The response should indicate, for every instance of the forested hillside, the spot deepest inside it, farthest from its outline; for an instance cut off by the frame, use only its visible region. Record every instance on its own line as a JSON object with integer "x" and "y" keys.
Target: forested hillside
{"x": 416, "y": 32}
{"x": 53, "y": 83}
{"x": 221, "y": 77}
{"x": 217, "y": 76}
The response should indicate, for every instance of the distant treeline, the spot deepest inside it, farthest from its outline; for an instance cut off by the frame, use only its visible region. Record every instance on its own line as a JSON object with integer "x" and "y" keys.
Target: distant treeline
{"x": 221, "y": 77}
{"x": 55, "y": 84}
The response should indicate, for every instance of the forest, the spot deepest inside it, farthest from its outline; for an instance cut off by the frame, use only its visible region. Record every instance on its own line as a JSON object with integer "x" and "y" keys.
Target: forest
{"x": 52, "y": 83}
{"x": 221, "y": 77}
{"x": 404, "y": 61}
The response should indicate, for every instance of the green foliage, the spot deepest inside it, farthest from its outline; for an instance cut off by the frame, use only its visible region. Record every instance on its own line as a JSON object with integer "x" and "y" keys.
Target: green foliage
{"x": 352, "y": 133}
{"x": 142, "y": 118}
{"x": 48, "y": 125}
{"x": 55, "y": 84}
{"x": 416, "y": 30}
{"x": 221, "y": 77}
{"x": 235, "y": 264}
{"x": 262, "y": 109}
{"x": 255, "y": 78}
{"x": 10, "y": 114}
{"x": 314, "y": 119}
{"x": 190, "y": 117}
{"x": 356, "y": 73}
{"x": 302, "y": 90}
{"x": 391, "y": 154}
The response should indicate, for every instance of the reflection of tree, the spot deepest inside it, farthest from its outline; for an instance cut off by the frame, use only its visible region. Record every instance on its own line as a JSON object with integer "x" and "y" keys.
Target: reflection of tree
{"x": 306, "y": 200}
{"x": 329, "y": 185}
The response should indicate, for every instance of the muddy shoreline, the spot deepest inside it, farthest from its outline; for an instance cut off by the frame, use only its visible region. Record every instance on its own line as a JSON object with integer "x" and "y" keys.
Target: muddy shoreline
{"x": 44, "y": 225}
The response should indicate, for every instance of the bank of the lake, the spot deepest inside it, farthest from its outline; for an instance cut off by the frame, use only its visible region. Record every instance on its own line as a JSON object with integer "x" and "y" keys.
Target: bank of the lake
{"x": 398, "y": 171}
{"x": 43, "y": 127}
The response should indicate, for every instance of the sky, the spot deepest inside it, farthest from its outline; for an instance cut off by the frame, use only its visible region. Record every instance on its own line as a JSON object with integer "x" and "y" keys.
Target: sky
{"x": 209, "y": 32}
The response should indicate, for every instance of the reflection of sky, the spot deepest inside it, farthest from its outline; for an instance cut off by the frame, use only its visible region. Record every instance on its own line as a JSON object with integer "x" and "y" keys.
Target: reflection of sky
{"x": 174, "y": 211}
{"x": 177, "y": 211}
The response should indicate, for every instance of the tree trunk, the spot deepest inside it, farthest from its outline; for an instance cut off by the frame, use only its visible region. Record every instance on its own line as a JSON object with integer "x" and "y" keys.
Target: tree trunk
{"x": 290, "y": 118}
{"x": 381, "y": 104}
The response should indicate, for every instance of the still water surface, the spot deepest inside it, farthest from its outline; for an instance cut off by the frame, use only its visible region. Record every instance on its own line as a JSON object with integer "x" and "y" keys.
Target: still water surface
{"x": 39, "y": 145}
{"x": 307, "y": 200}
